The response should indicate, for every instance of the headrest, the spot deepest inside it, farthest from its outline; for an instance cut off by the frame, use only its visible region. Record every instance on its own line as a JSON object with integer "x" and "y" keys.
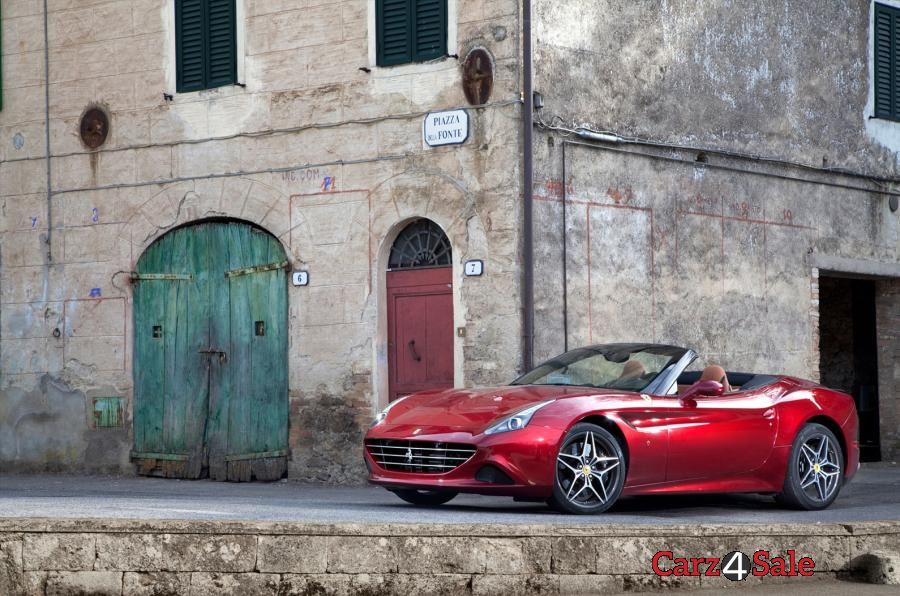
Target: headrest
{"x": 632, "y": 370}
{"x": 714, "y": 372}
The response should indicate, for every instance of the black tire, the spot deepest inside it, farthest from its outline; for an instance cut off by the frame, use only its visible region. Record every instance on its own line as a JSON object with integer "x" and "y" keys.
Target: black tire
{"x": 426, "y": 498}
{"x": 815, "y": 471}
{"x": 601, "y": 476}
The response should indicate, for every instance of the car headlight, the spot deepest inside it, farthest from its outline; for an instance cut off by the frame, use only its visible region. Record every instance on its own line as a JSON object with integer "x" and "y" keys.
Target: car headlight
{"x": 518, "y": 420}
{"x": 383, "y": 414}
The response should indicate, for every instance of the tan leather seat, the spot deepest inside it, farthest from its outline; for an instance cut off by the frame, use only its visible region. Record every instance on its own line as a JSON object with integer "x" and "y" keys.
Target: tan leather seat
{"x": 714, "y": 372}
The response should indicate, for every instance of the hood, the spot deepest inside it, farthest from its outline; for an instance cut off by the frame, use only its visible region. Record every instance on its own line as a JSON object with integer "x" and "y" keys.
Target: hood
{"x": 472, "y": 410}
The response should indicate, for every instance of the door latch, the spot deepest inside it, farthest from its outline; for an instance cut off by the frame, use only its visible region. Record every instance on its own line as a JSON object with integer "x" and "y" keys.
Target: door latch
{"x": 209, "y": 352}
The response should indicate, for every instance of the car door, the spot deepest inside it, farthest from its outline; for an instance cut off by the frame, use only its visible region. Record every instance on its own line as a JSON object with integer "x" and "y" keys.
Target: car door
{"x": 718, "y": 437}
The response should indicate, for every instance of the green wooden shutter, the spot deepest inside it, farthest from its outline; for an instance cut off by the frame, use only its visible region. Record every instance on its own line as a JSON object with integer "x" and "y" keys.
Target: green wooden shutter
{"x": 222, "y": 43}
{"x": 410, "y": 30}
{"x": 206, "y": 44}
{"x": 189, "y": 33}
{"x": 394, "y": 31}
{"x": 887, "y": 62}
{"x": 430, "y": 29}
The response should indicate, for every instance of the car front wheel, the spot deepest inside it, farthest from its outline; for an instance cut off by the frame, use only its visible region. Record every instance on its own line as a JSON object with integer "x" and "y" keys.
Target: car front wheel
{"x": 428, "y": 498}
{"x": 815, "y": 470}
{"x": 590, "y": 471}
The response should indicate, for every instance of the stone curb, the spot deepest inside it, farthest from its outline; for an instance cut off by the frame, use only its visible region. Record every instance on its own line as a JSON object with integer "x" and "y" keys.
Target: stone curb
{"x": 90, "y": 525}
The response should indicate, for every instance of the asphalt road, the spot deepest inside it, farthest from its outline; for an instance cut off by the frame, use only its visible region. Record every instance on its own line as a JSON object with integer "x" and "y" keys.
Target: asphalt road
{"x": 871, "y": 496}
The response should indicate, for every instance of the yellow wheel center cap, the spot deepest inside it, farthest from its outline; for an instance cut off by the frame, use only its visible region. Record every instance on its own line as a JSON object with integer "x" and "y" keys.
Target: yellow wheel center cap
{"x": 816, "y": 468}
{"x": 586, "y": 470}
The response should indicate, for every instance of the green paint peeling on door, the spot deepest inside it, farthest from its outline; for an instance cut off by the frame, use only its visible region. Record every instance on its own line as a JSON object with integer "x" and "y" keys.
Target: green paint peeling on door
{"x": 210, "y": 354}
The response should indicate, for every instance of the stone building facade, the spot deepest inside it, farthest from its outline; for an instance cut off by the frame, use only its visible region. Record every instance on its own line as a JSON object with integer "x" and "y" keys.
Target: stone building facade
{"x": 318, "y": 146}
{"x": 737, "y": 165}
{"x": 742, "y": 164}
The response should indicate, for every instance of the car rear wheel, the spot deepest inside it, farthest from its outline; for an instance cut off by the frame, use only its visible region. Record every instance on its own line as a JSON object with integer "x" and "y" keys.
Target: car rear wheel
{"x": 815, "y": 469}
{"x": 429, "y": 498}
{"x": 590, "y": 471}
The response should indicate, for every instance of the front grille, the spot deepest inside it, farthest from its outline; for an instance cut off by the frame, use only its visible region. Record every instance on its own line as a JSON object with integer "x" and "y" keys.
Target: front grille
{"x": 419, "y": 457}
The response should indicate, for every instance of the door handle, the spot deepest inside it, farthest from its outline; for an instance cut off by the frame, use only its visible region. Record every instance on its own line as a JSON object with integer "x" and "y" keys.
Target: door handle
{"x": 412, "y": 350}
{"x": 769, "y": 414}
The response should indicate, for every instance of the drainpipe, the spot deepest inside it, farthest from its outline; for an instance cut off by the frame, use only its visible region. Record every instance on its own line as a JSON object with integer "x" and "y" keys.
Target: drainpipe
{"x": 528, "y": 193}
{"x": 47, "y": 135}
{"x": 565, "y": 252}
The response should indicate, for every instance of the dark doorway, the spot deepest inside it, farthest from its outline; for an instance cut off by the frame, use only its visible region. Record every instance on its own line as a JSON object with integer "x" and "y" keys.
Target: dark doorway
{"x": 420, "y": 311}
{"x": 847, "y": 351}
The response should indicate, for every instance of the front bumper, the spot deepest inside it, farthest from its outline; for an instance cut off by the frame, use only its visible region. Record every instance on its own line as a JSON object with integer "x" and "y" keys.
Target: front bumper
{"x": 852, "y": 466}
{"x": 525, "y": 456}
{"x": 850, "y": 429}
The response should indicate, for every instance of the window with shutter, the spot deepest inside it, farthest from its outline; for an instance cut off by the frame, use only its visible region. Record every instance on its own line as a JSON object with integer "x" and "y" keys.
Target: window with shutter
{"x": 206, "y": 44}
{"x": 410, "y": 30}
{"x": 886, "y": 52}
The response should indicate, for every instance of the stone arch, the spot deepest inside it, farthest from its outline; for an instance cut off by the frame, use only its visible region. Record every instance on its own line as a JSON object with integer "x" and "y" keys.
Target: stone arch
{"x": 399, "y": 201}
{"x": 421, "y": 243}
{"x": 167, "y": 207}
{"x": 157, "y": 209}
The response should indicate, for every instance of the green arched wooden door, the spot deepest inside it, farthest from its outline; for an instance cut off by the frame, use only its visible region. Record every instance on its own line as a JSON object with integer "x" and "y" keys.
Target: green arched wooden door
{"x": 210, "y": 354}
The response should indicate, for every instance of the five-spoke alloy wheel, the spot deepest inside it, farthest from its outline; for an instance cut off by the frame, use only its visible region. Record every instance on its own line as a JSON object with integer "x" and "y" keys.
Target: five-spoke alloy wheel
{"x": 816, "y": 469}
{"x": 590, "y": 470}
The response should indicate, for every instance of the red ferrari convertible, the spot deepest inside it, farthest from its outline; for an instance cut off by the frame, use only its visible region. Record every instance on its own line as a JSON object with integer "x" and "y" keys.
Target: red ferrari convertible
{"x": 596, "y": 423}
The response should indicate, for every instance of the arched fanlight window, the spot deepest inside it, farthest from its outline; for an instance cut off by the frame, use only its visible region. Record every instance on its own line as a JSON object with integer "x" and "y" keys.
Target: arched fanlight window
{"x": 421, "y": 244}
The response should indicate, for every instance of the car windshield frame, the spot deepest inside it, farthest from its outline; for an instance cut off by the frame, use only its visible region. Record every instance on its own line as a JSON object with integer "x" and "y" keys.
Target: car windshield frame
{"x": 679, "y": 358}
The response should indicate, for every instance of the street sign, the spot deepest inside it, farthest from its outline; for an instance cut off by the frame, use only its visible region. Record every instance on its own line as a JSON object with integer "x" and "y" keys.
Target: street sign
{"x": 446, "y": 128}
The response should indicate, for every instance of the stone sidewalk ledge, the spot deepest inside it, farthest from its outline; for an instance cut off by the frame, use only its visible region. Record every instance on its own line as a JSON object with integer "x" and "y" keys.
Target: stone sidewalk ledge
{"x": 410, "y": 555}
{"x": 98, "y": 583}
{"x": 62, "y": 557}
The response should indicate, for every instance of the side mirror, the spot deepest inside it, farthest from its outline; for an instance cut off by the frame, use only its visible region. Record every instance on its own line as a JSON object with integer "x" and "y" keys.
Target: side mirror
{"x": 706, "y": 388}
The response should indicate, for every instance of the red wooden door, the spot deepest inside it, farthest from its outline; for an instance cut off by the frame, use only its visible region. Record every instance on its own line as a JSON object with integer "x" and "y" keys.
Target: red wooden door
{"x": 420, "y": 330}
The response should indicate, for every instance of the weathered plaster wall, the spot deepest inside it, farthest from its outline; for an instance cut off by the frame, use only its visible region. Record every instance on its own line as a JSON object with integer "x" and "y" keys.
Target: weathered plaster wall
{"x": 693, "y": 255}
{"x": 770, "y": 77}
{"x": 716, "y": 253}
{"x": 304, "y": 150}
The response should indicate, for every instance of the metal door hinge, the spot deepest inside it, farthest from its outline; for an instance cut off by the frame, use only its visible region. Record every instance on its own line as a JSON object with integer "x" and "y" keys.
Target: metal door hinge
{"x": 161, "y": 276}
{"x": 257, "y": 269}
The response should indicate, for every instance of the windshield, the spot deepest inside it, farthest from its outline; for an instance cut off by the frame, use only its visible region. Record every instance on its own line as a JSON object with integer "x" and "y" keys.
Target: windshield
{"x": 613, "y": 366}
